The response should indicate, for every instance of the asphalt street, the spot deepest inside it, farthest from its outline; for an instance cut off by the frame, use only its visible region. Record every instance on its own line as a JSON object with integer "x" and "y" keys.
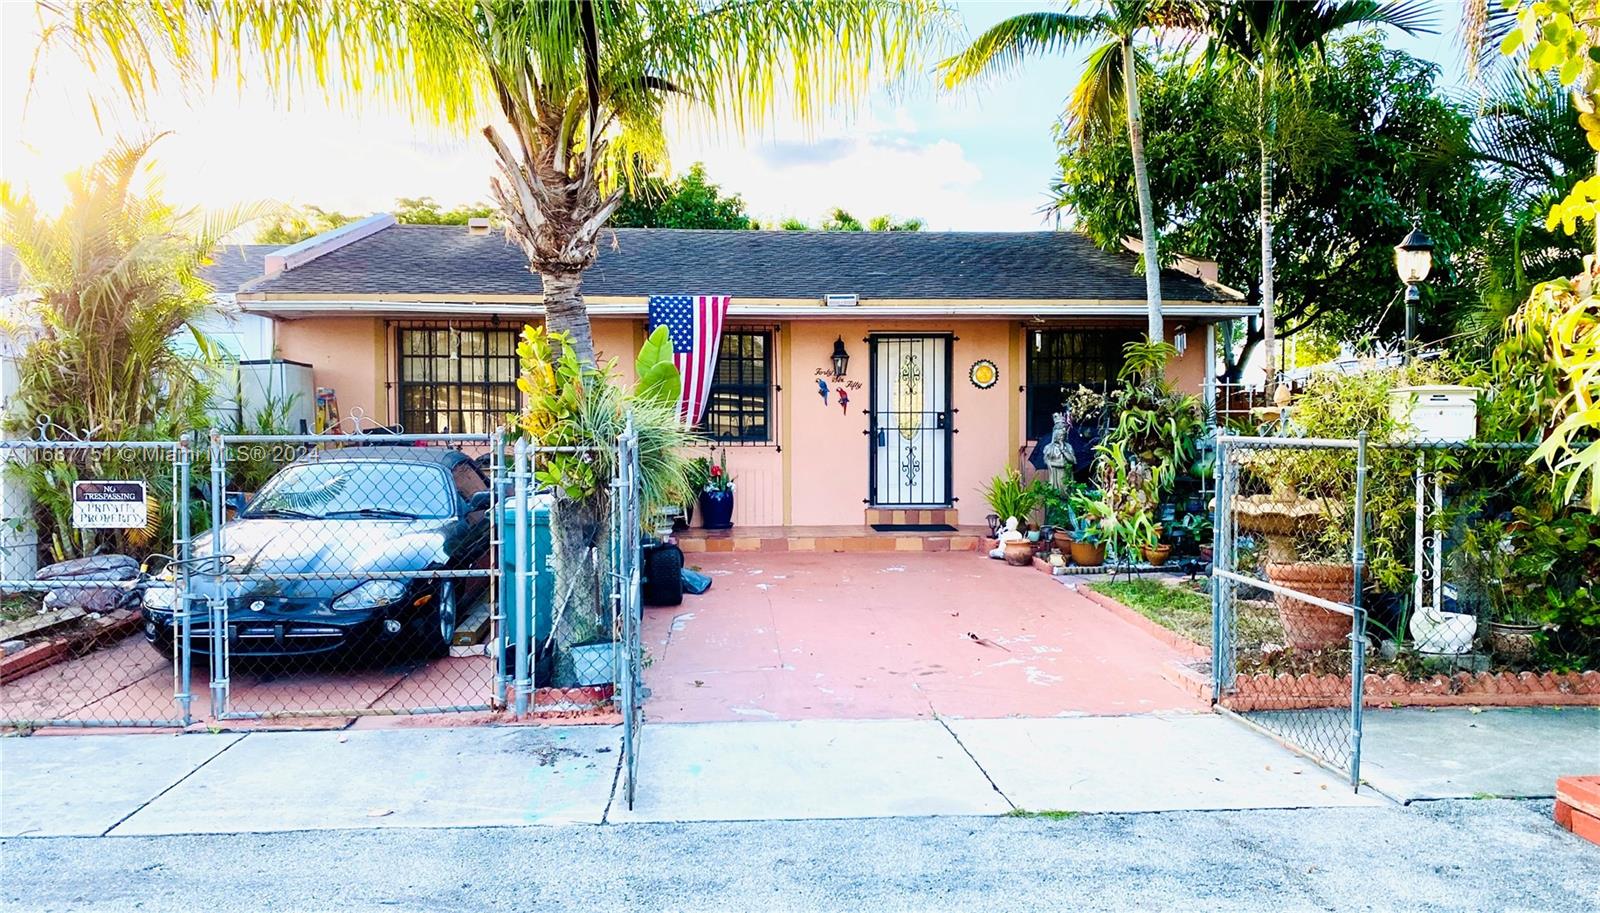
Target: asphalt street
{"x": 1446, "y": 855}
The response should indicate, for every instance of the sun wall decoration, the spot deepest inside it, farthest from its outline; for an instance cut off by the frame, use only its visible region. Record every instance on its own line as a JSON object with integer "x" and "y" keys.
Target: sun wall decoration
{"x": 983, "y": 374}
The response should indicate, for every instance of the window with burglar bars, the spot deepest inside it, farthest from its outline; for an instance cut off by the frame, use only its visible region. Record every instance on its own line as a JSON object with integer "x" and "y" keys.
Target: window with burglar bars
{"x": 1061, "y": 360}
{"x": 739, "y": 405}
{"x": 460, "y": 380}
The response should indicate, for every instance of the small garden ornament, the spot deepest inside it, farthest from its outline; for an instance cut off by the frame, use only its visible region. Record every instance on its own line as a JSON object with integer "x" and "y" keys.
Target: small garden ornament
{"x": 1058, "y": 453}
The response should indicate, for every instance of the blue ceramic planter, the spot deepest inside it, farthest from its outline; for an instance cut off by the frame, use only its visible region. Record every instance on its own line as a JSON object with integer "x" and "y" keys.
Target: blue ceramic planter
{"x": 716, "y": 509}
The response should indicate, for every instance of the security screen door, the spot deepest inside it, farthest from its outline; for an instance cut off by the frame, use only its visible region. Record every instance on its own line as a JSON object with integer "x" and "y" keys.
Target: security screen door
{"x": 910, "y": 420}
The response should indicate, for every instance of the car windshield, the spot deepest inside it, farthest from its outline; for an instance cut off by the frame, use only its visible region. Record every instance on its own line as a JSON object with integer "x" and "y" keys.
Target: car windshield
{"x": 356, "y": 489}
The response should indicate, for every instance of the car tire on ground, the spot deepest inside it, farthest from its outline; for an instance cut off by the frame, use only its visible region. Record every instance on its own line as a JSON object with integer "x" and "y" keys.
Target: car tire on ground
{"x": 438, "y": 628}
{"x": 663, "y": 576}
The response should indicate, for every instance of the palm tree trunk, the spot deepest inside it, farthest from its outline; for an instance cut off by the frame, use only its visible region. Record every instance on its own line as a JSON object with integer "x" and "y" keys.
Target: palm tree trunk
{"x": 1269, "y": 334}
{"x": 1141, "y": 178}
{"x": 564, "y": 311}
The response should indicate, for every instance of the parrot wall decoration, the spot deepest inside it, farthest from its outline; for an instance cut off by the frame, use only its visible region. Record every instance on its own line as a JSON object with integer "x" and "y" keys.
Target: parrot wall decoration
{"x": 822, "y": 390}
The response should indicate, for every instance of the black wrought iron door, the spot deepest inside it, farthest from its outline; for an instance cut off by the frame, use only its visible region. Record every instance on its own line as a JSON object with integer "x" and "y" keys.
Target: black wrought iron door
{"x": 910, "y": 420}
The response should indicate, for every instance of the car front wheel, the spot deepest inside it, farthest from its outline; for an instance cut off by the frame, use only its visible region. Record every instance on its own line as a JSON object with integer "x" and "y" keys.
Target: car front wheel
{"x": 439, "y": 628}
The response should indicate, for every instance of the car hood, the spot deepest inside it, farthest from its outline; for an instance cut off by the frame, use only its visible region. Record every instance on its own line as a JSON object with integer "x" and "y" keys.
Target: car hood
{"x": 348, "y": 549}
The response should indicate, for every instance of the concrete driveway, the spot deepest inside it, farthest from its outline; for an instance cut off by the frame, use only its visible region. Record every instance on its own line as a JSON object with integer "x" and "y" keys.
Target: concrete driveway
{"x": 792, "y": 636}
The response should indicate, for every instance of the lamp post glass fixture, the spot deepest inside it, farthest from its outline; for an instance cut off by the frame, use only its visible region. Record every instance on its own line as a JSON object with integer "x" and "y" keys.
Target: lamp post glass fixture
{"x": 841, "y": 358}
{"x": 1413, "y": 259}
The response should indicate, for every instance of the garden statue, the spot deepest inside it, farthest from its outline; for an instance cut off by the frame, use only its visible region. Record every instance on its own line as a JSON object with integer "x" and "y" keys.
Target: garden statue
{"x": 1058, "y": 453}
{"x": 1009, "y": 534}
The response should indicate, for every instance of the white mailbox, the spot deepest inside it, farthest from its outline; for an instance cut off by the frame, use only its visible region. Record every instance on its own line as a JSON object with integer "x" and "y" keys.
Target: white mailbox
{"x": 1438, "y": 412}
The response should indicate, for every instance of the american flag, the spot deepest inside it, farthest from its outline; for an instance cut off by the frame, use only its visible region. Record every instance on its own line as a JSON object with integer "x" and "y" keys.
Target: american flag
{"x": 694, "y": 323}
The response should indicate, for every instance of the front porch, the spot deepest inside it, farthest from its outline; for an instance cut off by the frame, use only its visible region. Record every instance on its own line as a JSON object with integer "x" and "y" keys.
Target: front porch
{"x": 863, "y": 538}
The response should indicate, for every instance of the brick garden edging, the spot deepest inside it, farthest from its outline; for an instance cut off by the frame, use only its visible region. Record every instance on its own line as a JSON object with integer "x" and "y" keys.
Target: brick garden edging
{"x": 1307, "y": 691}
{"x": 1261, "y": 691}
{"x": 110, "y": 626}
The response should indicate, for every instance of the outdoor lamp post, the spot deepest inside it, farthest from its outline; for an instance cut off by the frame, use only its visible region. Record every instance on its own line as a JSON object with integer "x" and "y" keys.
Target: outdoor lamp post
{"x": 841, "y": 358}
{"x": 1413, "y": 258}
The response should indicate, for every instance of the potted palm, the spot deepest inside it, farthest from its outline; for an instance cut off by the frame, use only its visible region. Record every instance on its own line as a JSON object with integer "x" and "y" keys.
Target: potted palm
{"x": 1008, "y": 497}
{"x": 716, "y": 498}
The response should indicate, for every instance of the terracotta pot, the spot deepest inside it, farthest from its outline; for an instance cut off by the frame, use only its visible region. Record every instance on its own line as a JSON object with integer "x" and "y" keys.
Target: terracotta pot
{"x": 1156, "y": 555}
{"x": 1062, "y": 541}
{"x": 1512, "y": 641}
{"x": 1019, "y": 553}
{"x": 1207, "y": 553}
{"x": 1088, "y": 554}
{"x": 1308, "y": 626}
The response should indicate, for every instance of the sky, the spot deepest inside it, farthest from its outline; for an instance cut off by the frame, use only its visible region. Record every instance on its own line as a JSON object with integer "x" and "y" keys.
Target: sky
{"x": 973, "y": 160}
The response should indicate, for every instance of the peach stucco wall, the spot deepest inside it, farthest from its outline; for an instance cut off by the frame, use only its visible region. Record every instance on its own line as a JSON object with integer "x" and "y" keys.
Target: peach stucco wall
{"x": 816, "y": 471}
{"x": 827, "y": 448}
{"x": 1187, "y": 372}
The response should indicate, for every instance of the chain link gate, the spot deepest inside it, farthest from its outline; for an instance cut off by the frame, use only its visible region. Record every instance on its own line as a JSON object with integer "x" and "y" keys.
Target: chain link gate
{"x": 626, "y": 526}
{"x": 1288, "y": 623}
{"x": 350, "y": 575}
{"x": 114, "y": 516}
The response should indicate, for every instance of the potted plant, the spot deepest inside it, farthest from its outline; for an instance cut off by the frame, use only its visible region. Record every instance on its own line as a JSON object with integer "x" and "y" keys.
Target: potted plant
{"x": 1087, "y": 544}
{"x": 716, "y": 498}
{"x": 1008, "y": 497}
{"x": 1058, "y": 515}
{"x": 1195, "y": 530}
{"x": 1484, "y": 567}
{"x": 698, "y": 475}
{"x": 1140, "y": 532}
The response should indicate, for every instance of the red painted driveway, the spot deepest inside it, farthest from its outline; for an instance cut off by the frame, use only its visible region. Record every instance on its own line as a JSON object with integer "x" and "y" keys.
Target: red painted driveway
{"x": 889, "y": 636}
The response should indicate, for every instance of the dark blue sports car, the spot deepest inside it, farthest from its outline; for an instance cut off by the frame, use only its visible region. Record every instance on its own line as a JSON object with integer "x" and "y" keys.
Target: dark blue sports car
{"x": 339, "y": 552}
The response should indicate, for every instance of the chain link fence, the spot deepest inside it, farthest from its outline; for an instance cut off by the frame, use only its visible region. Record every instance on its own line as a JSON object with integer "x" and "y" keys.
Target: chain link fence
{"x": 1352, "y": 574}
{"x": 311, "y": 578}
{"x": 84, "y": 522}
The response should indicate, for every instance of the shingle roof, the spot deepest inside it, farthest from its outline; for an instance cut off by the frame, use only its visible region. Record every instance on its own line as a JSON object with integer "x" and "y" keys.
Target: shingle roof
{"x": 235, "y": 264}
{"x": 232, "y": 266}
{"x": 415, "y": 259}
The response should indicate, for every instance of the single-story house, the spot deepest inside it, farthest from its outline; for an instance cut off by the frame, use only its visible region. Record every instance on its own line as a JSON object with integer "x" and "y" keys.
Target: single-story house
{"x": 960, "y": 344}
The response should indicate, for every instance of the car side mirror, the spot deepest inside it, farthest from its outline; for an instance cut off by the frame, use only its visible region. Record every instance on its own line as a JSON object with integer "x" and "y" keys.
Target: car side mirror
{"x": 478, "y": 501}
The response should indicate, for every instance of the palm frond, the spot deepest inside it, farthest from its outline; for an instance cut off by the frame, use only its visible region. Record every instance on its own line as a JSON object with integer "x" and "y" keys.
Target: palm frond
{"x": 1004, "y": 46}
{"x": 1097, "y": 100}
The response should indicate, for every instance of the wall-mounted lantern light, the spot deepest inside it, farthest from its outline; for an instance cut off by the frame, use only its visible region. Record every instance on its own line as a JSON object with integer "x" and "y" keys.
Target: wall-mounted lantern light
{"x": 841, "y": 358}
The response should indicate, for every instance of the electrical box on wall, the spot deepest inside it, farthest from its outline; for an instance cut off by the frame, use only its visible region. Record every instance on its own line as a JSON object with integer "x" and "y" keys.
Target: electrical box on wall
{"x": 841, "y": 301}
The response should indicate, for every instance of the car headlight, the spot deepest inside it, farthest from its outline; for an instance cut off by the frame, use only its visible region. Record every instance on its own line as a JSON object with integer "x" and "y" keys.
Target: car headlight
{"x": 160, "y": 598}
{"x": 371, "y": 594}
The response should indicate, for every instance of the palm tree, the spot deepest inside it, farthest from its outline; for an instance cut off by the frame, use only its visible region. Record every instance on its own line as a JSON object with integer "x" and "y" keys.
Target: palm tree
{"x": 109, "y": 287}
{"x": 1114, "y": 27}
{"x": 585, "y": 87}
{"x": 1270, "y": 42}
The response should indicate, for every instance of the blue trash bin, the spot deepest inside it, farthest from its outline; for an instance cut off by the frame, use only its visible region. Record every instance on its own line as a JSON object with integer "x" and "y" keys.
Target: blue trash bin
{"x": 544, "y": 579}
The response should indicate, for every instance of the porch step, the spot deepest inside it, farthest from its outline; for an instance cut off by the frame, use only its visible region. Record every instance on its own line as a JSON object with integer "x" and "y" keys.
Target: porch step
{"x": 826, "y": 539}
{"x": 901, "y": 516}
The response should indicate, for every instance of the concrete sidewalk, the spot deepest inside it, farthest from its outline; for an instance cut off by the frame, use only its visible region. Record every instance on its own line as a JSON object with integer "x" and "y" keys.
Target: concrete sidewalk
{"x": 146, "y": 784}
{"x": 127, "y": 785}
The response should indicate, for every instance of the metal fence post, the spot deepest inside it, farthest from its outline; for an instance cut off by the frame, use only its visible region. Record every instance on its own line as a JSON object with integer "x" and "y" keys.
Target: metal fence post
{"x": 216, "y": 601}
{"x": 497, "y": 609}
{"x": 180, "y": 581}
{"x": 1358, "y": 619}
{"x": 521, "y": 612}
{"x": 1221, "y": 556}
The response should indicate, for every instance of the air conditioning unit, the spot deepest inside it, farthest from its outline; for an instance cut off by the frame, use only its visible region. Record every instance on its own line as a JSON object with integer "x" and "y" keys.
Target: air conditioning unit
{"x": 841, "y": 301}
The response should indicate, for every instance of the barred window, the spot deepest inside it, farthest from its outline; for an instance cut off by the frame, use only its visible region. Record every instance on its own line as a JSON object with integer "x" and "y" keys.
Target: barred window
{"x": 739, "y": 404}
{"x": 459, "y": 380}
{"x": 1061, "y": 360}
